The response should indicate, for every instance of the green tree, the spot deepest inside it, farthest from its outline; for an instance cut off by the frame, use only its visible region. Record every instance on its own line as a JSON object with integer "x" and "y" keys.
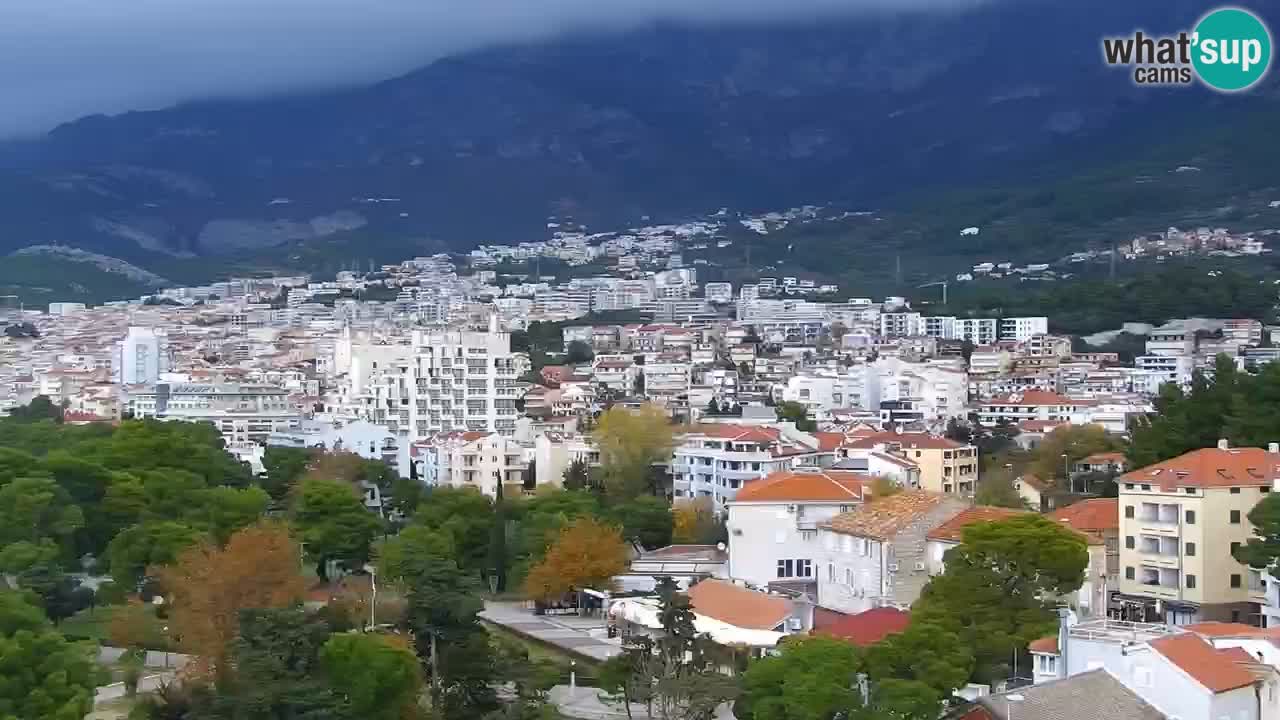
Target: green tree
{"x": 133, "y": 551}
{"x": 996, "y": 489}
{"x": 1076, "y": 442}
{"x": 18, "y": 613}
{"x": 378, "y": 676}
{"x": 284, "y": 466}
{"x": 332, "y": 520}
{"x": 467, "y": 516}
{"x": 45, "y": 676}
{"x": 578, "y": 353}
{"x": 813, "y": 678}
{"x": 646, "y": 519}
{"x": 1262, "y": 550}
{"x": 578, "y": 475}
{"x": 926, "y": 653}
{"x": 798, "y": 414}
{"x": 998, "y": 589}
{"x": 395, "y": 556}
{"x": 36, "y": 508}
{"x": 1187, "y": 421}
{"x": 224, "y": 510}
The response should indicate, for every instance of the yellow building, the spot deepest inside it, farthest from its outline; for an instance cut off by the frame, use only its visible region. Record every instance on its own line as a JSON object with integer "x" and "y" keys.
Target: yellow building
{"x": 1179, "y": 520}
{"x": 946, "y": 466}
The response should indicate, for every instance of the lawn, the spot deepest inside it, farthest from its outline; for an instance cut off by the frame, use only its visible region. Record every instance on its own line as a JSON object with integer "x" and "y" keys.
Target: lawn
{"x": 95, "y": 624}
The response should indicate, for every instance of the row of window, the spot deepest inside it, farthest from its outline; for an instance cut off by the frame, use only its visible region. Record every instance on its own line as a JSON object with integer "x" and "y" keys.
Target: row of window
{"x": 795, "y": 568}
{"x": 1189, "y": 516}
{"x": 1190, "y": 579}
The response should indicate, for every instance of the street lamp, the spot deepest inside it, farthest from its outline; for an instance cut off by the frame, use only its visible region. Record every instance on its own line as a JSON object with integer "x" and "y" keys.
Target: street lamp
{"x": 1066, "y": 473}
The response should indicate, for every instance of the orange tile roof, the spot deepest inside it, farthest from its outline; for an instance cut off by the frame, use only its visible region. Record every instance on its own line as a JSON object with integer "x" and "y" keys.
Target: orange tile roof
{"x": 827, "y": 486}
{"x": 738, "y": 605}
{"x": 1228, "y": 629}
{"x": 733, "y": 431}
{"x": 1203, "y": 662}
{"x": 1040, "y": 425}
{"x": 1210, "y": 467}
{"x": 1047, "y": 645}
{"x": 828, "y": 441}
{"x": 908, "y": 440}
{"x": 883, "y": 518}
{"x": 953, "y": 529}
{"x": 870, "y": 627}
{"x": 1097, "y": 515}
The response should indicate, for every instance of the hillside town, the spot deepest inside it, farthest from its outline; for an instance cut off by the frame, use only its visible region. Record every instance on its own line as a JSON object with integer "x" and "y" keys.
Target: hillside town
{"x": 842, "y": 451}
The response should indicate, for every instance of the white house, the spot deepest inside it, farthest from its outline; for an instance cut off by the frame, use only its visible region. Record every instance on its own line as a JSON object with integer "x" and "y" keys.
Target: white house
{"x": 773, "y": 522}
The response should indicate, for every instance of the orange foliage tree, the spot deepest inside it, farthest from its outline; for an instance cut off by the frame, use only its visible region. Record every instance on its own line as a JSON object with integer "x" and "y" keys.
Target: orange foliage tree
{"x": 209, "y": 586}
{"x": 586, "y": 554}
{"x": 693, "y": 521}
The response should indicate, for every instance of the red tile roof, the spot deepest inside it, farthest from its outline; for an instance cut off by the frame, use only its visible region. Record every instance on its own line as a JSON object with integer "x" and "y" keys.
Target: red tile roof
{"x": 1205, "y": 664}
{"x": 953, "y": 529}
{"x": 908, "y": 440}
{"x": 1210, "y": 467}
{"x": 1095, "y": 515}
{"x": 828, "y": 441}
{"x": 738, "y": 605}
{"x": 827, "y": 486}
{"x": 1047, "y": 645}
{"x": 870, "y": 627}
{"x": 1040, "y": 425}
{"x": 1228, "y": 629}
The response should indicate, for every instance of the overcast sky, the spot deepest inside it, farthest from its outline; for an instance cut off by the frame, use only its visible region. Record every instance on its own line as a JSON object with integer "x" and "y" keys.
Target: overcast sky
{"x": 62, "y": 59}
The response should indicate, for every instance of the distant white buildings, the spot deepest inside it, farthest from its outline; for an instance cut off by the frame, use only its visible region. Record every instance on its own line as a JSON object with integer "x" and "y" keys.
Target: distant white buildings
{"x": 140, "y": 357}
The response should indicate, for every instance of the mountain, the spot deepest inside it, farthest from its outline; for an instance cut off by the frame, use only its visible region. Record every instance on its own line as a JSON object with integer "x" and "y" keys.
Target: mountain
{"x": 665, "y": 122}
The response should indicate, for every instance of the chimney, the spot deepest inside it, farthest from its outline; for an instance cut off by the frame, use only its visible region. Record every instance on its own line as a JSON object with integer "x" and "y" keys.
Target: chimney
{"x": 1273, "y": 448}
{"x": 1223, "y": 444}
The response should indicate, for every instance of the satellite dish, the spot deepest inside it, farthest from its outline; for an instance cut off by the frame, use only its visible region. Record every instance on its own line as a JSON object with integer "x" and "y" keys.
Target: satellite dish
{"x": 721, "y": 547}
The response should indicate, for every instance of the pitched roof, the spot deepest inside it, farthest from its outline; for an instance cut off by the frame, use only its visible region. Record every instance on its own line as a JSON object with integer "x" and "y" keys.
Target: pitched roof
{"x": 1229, "y": 629}
{"x": 828, "y": 441}
{"x": 870, "y": 627}
{"x": 1095, "y": 515}
{"x": 1210, "y": 467}
{"x": 738, "y": 606}
{"x": 1105, "y": 457}
{"x": 953, "y": 529}
{"x": 1093, "y": 694}
{"x": 1205, "y": 664}
{"x": 883, "y": 518}
{"x": 908, "y": 440}
{"x": 785, "y": 486}
{"x": 1047, "y": 645}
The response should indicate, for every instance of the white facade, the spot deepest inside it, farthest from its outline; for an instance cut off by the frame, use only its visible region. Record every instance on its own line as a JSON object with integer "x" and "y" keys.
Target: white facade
{"x": 140, "y": 357}
{"x": 472, "y": 459}
{"x": 243, "y": 413}
{"x": 778, "y": 540}
{"x": 714, "y": 461}
{"x": 1021, "y": 329}
{"x": 979, "y": 331}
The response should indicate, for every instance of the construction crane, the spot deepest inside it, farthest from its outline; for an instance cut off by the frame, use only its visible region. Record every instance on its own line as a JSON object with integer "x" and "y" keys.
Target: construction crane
{"x": 943, "y": 283}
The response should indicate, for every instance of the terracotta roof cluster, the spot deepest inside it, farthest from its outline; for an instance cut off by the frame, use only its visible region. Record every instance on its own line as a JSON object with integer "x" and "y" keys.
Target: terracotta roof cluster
{"x": 1094, "y": 516}
{"x": 870, "y": 627}
{"x": 786, "y": 486}
{"x": 1217, "y": 671}
{"x": 738, "y": 606}
{"x": 1210, "y": 467}
{"x": 953, "y": 529}
{"x": 883, "y": 518}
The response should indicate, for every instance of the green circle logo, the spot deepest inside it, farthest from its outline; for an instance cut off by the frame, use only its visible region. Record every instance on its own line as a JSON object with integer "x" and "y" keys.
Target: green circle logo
{"x": 1231, "y": 49}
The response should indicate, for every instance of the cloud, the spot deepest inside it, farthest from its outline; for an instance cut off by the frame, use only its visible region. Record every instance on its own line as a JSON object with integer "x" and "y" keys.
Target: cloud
{"x": 62, "y": 59}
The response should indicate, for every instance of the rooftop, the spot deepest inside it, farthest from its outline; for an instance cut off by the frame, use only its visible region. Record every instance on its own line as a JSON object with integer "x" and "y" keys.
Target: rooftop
{"x": 786, "y": 486}
{"x": 1093, "y": 694}
{"x": 738, "y": 606}
{"x": 1210, "y": 467}
{"x": 1207, "y": 665}
{"x": 953, "y": 529}
{"x": 870, "y": 627}
{"x": 885, "y": 517}
{"x": 1095, "y": 515}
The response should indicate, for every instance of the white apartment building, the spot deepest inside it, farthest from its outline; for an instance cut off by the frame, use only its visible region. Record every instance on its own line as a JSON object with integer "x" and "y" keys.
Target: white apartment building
{"x": 979, "y": 331}
{"x": 141, "y": 357}
{"x": 244, "y": 414}
{"x": 773, "y": 522}
{"x": 719, "y": 292}
{"x": 1173, "y": 339}
{"x": 1032, "y": 405}
{"x": 715, "y": 460}
{"x": 1021, "y": 329}
{"x": 1152, "y": 371}
{"x": 822, "y": 390}
{"x": 666, "y": 381}
{"x": 438, "y": 382}
{"x": 480, "y": 460}
{"x": 904, "y": 324}
{"x": 942, "y": 327}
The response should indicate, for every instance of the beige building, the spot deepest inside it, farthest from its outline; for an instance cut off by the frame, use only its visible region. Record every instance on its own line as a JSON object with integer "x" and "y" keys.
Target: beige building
{"x": 946, "y": 466}
{"x": 1179, "y": 521}
{"x": 472, "y": 459}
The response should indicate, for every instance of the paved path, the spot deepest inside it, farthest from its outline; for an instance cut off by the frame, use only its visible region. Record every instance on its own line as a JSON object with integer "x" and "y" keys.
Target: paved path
{"x": 585, "y": 637}
{"x": 584, "y": 703}
{"x": 115, "y": 691}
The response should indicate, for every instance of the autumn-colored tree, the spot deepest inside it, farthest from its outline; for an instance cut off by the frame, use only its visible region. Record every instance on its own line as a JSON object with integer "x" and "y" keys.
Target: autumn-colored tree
{"x": 133, "y": 626}
{"x": 209, "y": 586}
{"x": 586, "y": 554}
{"x": 631, "y": 442}
{"x": 694, "y": 522}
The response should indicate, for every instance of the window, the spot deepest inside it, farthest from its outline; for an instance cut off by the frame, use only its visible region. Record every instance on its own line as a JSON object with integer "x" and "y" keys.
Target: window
{"x": 1146, "y": 487}
{"x": 1235, "y": 580}
{"x": 1191, "y": 549}
{"x": 1235, "y": 491}
{"x": 1128, "y": 542}
{"x": 1128, "y": 486}
{"x": 831, "y": 572}
{"x": 1189, "y": 491}
{"x": 1265, "y": 489}
{"x": 1235, "y": 517}
{"x": 1128, "y": 573}
{"x": 1128, "y": 511}
{"x": 848, "y": 577}
{"x": 804, "y": 568}
{"x": 1234, "y": 547}
{"x": 1191, "y": 582}
{"x": 786, "y": 568}
{"x": 1191, "y": 517}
